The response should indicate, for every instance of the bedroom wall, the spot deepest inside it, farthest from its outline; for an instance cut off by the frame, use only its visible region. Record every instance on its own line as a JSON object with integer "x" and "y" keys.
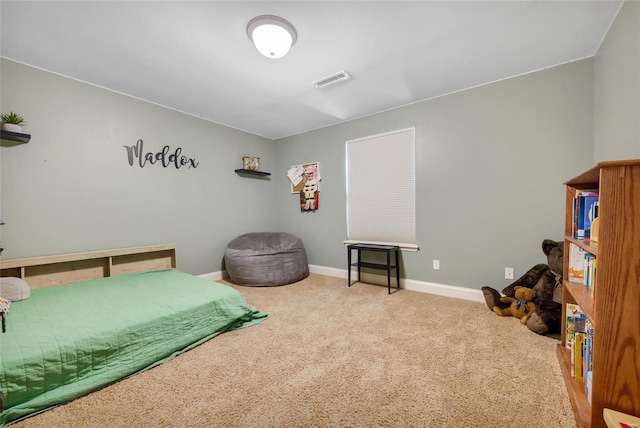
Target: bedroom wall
{"x": 617, "y": 88}
{"x": 490, "y": 164}
{"x": 72, "y": 189}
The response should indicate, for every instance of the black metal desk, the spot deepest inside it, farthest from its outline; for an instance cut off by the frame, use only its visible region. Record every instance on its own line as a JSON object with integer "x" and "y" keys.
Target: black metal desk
{"x": 388, "y": 249}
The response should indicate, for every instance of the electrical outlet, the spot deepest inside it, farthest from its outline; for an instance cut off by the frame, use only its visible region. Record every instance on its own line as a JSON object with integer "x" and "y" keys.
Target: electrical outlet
{"x": 436, "y": 264}
{"x": 508, "y": 273}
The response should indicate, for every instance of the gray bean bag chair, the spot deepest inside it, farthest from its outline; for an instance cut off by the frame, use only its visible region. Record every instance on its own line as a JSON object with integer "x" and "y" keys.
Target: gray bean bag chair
{"x": 266, "y": 259}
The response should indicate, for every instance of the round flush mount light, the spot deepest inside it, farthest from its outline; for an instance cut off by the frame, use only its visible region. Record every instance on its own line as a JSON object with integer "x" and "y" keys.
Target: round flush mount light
{"x": 272, "y": 35}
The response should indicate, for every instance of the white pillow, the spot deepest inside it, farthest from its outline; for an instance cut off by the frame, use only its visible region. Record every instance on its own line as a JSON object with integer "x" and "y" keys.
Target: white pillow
{"x": 14, "y": 289}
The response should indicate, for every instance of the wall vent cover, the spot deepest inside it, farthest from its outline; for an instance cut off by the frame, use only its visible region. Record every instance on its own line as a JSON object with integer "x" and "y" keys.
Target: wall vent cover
{"x": 334, "y": 78}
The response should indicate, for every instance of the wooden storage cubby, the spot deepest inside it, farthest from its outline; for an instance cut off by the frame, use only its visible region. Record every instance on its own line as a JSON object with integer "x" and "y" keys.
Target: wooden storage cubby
{"x": 614, "y": 310}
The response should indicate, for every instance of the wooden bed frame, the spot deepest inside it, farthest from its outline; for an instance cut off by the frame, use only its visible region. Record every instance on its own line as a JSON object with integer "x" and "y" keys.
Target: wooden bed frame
{"x": 47, "y": 271}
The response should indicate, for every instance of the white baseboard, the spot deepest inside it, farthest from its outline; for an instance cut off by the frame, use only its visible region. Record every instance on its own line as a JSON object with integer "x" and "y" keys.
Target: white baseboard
{"x": 409, "y": 284}
{"x": 213, "y": 276}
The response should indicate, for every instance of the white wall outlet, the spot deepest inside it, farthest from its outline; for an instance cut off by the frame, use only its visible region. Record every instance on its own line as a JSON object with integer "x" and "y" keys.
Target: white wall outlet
{"x": 508, "y": 273}
{"x": 436, "y": 264}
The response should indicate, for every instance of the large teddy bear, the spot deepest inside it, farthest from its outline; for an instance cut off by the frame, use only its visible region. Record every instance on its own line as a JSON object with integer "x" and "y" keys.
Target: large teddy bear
{"x": 546, "y": 280}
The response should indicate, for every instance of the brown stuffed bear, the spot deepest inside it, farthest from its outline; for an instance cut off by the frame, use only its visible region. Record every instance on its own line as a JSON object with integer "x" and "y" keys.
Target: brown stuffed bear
{"x": 521, "y": 305}
{"x": 546, "y": 280}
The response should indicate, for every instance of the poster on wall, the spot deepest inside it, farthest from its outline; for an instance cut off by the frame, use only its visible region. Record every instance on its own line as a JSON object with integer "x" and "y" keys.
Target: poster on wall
{"x": 305, "y": 181}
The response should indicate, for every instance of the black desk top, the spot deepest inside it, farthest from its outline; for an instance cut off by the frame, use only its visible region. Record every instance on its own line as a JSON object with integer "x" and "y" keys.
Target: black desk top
{"x": 372, "y": 247}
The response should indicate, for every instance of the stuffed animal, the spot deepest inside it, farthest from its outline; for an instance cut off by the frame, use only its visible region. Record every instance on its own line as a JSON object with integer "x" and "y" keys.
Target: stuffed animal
{"x": 521, "y": 306}
{"x": 546, "y": 280}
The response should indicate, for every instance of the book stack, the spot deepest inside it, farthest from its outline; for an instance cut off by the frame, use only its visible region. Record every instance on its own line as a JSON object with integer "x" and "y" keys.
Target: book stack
{"x": 579, "y": 339}
{"x": 582, "y": 267}
{"x": 585, "y": 210}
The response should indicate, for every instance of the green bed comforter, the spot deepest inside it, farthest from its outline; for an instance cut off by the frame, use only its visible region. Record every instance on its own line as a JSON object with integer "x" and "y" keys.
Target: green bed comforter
{"x": 66, "y": 341}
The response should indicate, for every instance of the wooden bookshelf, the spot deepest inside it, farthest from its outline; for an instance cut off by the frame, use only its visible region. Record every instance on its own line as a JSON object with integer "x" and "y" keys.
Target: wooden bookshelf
{"x": 614, "y": 310}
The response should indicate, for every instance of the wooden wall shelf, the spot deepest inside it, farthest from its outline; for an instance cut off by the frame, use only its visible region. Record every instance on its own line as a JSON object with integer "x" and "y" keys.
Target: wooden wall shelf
{"x": 13, "y": 138}
{"x": 252, "y": 172}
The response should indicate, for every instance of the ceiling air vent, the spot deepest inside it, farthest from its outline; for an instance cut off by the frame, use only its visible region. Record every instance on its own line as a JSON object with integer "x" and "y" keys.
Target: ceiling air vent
{"x": 334, "y": 78}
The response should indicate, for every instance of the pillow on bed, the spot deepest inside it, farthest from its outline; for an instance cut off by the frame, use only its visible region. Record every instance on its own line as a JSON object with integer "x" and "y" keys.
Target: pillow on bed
{"x": 14, "y": 289}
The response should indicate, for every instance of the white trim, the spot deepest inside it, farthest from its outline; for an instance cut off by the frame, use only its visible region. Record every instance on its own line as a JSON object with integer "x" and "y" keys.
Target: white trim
{"x": 382, "y": 134}
{"x": 328, "y": 271}
{"x": 408, "y": 284}
{"x": 443, "y": 290}
{"x": 214, "y": 276}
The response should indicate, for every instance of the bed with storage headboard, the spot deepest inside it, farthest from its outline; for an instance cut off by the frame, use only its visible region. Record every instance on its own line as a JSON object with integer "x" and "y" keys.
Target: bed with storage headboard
{"x": 97, "y": 317}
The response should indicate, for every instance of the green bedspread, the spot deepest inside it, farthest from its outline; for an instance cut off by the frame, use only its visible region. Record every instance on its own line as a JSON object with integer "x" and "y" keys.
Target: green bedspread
{"x": 66, "y": 341}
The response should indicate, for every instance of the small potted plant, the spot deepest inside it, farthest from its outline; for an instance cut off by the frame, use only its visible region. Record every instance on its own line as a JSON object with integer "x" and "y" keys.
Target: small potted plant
{"x": 12, "y": 122}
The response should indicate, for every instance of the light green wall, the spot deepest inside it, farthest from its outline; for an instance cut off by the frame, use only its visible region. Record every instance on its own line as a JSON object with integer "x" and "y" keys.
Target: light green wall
{"x": 617, "y": 88}
{"x": 490, "y": 163}
{"x": 490, "y": 166}
{"x": 71, "y": 187}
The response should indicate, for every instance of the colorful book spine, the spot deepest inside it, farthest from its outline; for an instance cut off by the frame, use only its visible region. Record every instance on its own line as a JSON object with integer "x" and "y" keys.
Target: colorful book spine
{"x": 577, "y": 366}
{"x": 576, "y": 263}
{"x": 578, "y": 349}
{"x": 582, "y": 212}
{"x": 588, "y": 213}
{"x": 573, "y": 312}
{"x": 587, "y": 351}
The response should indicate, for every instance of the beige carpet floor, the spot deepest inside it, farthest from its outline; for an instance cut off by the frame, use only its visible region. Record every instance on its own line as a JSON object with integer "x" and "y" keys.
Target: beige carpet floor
{"x": 333, "y": 356}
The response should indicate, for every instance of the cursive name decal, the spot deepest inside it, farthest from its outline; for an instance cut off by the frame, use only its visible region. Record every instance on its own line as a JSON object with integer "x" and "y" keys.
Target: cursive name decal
{"x": 163, "y": 156}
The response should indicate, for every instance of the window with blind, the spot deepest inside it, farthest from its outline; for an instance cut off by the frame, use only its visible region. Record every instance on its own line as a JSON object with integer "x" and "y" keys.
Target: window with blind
{"x": 381, "y": 189}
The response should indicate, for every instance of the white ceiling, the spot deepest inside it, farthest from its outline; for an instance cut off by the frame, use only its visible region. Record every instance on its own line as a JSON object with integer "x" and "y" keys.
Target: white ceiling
{"x": 195, "y": 57}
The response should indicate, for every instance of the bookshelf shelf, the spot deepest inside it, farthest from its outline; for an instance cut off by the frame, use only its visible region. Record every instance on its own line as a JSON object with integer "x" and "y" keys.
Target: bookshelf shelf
{"x": 613, "y": 310}
{"x": 578, "y": 398}
{"x": 585, "y": 244}
{"x": 582, "y": 297}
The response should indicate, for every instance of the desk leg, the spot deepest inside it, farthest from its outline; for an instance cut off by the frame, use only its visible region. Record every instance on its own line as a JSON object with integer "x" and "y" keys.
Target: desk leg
{"x": 349, "y": 267}
{"x": 389, "y": 272}
{"x": 397, "y": 270}
{"x": 359, "y": 258}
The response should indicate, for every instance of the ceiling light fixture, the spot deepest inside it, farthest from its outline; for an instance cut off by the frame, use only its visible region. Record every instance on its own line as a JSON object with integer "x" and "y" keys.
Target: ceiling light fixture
{"x": 272, "y": 35}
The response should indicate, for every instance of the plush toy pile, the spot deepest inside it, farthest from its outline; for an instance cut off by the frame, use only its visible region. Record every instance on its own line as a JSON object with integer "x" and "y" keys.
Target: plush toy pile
{"x": 546, "y": 281}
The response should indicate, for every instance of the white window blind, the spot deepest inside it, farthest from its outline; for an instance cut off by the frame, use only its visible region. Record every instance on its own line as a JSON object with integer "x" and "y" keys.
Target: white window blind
{"x": 381, "y": 189}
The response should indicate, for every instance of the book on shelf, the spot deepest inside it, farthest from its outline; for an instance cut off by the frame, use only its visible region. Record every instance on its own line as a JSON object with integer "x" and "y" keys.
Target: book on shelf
{"x": 579, "y": 340}
{"x": 573, "y": 312}
{"x": 589, "y": 213}
{"x": 587, "y": 352}
{"x": 583, "y": 213}
{"x": 576, "y": 263}
{"x": 577, "y": 351}
{"x": 590, "y": 263}
{"x": 582, "y": 267}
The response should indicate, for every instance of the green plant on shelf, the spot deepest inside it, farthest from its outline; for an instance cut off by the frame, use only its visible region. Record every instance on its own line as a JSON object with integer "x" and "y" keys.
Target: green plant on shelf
{"x": 13, "y": 118}
{"x": 12, "y": 122}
